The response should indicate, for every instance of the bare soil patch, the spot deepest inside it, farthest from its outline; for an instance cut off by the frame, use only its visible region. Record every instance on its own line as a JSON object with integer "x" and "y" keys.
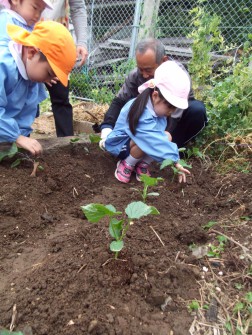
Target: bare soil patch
{"x": 54, "y": 264}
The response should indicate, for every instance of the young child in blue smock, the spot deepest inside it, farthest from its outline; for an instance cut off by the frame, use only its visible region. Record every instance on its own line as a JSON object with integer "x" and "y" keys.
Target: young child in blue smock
{"x": 38, "y": 56}
{"x": 23, "y": 13}
{"x": 139, "y": 136}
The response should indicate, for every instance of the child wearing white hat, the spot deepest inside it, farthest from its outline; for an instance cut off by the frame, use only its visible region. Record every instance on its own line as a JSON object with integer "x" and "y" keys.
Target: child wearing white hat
{"x": 139, "y": 135}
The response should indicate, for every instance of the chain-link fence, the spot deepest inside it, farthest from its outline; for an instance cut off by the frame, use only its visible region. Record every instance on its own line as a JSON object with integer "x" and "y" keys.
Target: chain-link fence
{"x": 115, "y": 26}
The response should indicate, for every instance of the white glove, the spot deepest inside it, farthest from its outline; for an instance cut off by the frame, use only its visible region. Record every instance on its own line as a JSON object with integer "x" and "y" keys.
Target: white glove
{"x": 104, "y": 134}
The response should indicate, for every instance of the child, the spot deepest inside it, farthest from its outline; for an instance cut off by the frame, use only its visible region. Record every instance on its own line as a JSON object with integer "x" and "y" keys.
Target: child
{"x": 139, "y": 135}
{"x": 38, "y": 56}
{"x": 23, "y": 13}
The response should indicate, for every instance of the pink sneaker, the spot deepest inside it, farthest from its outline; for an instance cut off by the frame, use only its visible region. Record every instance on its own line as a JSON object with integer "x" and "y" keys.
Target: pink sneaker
{"x": 123, "y": 171}
{"x": 142, "y": 168}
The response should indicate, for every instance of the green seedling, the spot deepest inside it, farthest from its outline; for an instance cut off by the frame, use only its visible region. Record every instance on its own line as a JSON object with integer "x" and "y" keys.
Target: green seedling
{"x": 7, "y": 332}
{"x": 117, "y": 227}
{"x": 148, "y": 181}
{"x": 209, "y": 225}
{"x": 215, "y": 251}
{"x": 169, "y": 162}
{"x": 193, "y": 306}
{"x": 194, "y": 152}
{"x": 94, "y": 138}
{"x": 9, "y": 153}
{"x": 241, "y": 316}
{"x": 74, "y": 140}
{"x": 22, "y": 156}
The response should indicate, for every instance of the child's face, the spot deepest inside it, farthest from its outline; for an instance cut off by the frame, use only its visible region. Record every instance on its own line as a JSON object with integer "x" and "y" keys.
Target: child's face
{"x": 36, "y": 69}
{"x": 30, "y": 10}
{"x": 161, "y": 107}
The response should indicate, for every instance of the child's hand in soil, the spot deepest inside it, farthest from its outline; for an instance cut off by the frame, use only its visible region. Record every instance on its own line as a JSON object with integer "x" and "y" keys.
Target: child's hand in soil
{"x": 182, "y": 175}
{"x": 29, "y": 144}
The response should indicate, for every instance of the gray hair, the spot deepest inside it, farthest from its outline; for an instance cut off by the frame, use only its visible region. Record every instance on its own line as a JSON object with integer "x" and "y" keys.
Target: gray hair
{"x": 153, "y": 44}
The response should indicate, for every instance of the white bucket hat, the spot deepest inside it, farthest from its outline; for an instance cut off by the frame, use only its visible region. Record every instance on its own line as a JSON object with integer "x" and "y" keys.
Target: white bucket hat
{"x": 6, "y": 3}
{"x": 172, "y": 81}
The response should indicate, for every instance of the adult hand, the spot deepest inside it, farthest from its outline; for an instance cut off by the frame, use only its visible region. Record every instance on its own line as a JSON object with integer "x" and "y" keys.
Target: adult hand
{"x": 82, "y": 54}
{"x": 182, "y": 175}
{"x": 29, "y": 144}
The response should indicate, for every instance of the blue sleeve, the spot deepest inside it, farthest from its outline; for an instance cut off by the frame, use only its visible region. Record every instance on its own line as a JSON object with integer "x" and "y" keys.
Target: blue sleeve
{"x": 150, "y": 137}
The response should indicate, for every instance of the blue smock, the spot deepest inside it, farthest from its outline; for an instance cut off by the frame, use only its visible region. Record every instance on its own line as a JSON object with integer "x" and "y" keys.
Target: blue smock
{"x": 19, "y": 97}
{"x": 150, "y": 135}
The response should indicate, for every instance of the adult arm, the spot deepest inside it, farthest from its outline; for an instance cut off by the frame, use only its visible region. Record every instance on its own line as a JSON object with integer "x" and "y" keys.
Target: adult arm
{"x": 78, "y": 14}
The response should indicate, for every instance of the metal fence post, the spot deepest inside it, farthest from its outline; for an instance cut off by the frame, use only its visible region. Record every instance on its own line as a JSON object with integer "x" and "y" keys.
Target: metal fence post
{"x": 135, "y": 28}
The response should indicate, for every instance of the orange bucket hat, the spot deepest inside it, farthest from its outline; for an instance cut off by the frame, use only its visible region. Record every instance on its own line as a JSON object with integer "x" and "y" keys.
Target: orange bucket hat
{"x": 53, "y": 40}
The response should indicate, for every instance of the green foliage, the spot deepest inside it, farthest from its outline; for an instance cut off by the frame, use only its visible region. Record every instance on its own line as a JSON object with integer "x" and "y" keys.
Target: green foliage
{"x": 148, "y": 181}
{"x": 225, "y": 89}
{"x": 209, "y": 225}
{"x": 216, "y": 250}
{"x": 169, "y": 162}
{"x": 193, "y": 306}
{"x": 206, "y": 37}
{"x": 117, "y": 227}
{"x": 9, "y": 153}
{"x": 7, "y": 332}
{"x": 89, "y": 85}
{"x": 94, "y": 138}
{"x": 241, "y": 315}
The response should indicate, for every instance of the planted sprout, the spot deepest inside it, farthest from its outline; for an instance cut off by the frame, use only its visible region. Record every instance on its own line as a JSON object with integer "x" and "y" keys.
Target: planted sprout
{"x": 118, "y": 227}
{"x": 169, "y": 162}
{"x": 148, "y": 181}
{"x": 13, "y": 151}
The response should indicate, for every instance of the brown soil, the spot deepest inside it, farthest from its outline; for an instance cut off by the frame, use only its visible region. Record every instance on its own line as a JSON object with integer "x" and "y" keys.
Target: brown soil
{"x": 57, "y": 269}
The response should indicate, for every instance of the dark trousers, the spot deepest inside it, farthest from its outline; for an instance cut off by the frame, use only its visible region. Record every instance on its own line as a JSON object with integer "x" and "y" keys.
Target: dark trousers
{"x": 62, "y": 109}
{"x": 193, "y": 120}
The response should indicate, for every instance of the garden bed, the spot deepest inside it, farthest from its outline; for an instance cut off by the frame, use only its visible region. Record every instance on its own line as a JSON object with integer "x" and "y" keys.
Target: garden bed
{"x": 56, "y": 267}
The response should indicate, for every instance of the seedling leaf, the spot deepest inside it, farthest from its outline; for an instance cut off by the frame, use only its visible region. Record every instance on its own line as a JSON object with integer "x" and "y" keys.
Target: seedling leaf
{"x": 16, "y": 163}
{"x": 166, "y": 162}
{"x": 138, "y": 209}
{"x": 9, "y": 153}
{"x": 7, "y": 332}
{"x": 95, "y": 212}
{"x": 150, "y": 181}
{"x": 115, "y": 228}
{"x": 94, "y": 138}
{"x": 116, "y": 246}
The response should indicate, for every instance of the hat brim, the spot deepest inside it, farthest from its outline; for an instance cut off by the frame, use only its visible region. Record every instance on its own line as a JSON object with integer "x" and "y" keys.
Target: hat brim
{"x": 174, "y": 100}
{"x": 63, "y": 77}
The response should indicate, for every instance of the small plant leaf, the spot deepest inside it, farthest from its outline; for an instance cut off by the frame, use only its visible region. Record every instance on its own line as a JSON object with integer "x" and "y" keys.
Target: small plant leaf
{"x": 95, "y": 212}
{"x": 73, "y": 140}
{"x": 166, "y": 162}
{"x": 16, "y": 163}
{"x": 7, "y": 332}
{"x": 209, "y": 225}
{"x": 116, "y": 246}
{"x": 150, "y": 181}
{"x": 138, "y": 209}
{"x": 94, "y": 138}
{"x": 9, "y": 153}
{"x": 184, "y": 164}
{"x": 115, "y": 228}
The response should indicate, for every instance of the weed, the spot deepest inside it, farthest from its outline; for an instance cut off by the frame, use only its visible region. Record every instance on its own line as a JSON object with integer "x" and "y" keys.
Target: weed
{"x": 169, "y": 162}
{"x": 216, "y": 250}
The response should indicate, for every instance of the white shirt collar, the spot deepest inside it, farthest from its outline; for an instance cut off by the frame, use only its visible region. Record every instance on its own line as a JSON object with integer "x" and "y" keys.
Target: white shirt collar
{"x": 150, "y": 107}
{"x": 15, "y": 15}
{"x": 16, "y": 51}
